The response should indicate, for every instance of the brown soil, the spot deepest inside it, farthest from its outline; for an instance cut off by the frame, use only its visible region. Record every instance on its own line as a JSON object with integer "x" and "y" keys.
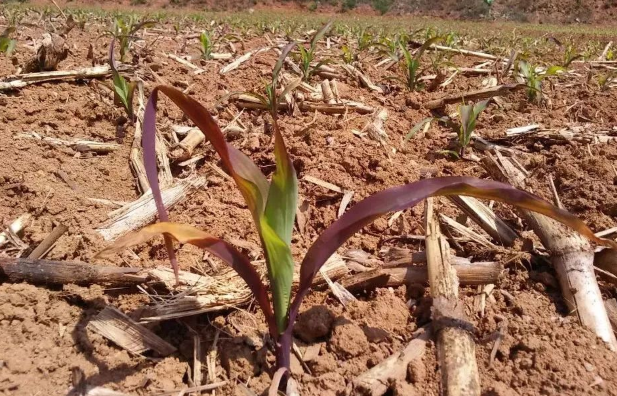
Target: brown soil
{"x": 42, "y": 329}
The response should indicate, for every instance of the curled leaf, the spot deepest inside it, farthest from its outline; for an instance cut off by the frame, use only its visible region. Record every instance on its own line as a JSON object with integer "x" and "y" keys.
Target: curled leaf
{"x": 188, "y": 234}
{"x": 407, "y": 196}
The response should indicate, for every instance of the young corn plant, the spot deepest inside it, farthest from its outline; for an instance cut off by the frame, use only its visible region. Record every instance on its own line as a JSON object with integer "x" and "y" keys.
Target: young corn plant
{"x": 347, "y": 55}
{"x": 123, "y": 89}
{"x": 605, "y": 80}
{"x": 124, "y": 29}
{"x": 206, "y": 45}
{"x": 7, "y": 44}
{"x": 270, "y": 99}
{"x": 273, "y": 207}
{"x": 468, "y": 115}
{"x": 569, "y": 56}
{"x": 533, "y": 78}
{"x": 411, "y": 65}
{"x": 365, "y": 40}
{"x": 389, "y": 47}
{"x": 307, "y": 56}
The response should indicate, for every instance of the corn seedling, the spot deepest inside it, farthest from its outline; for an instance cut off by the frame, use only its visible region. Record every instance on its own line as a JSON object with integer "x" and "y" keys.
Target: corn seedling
{"x": 123, "y": 90}
{"x": 347, "y": 55}
{"x": 7, "y": 44}
{"x": 570, "y": 56}
{"x": 533, "y": 78}
{"x": 605, "y": 80}
{"x": 270, "y": 99}
{"x": 206, "y": 45}
{"x": 468, "y": 115}
{"x": 273, "y": 208}
{"x": 306, "y": 56}
{"x": 365, "y": 40}
{"x": 411, "y": 65}
{"x": 389, "y": 47}
{"x": 124, "y": 30}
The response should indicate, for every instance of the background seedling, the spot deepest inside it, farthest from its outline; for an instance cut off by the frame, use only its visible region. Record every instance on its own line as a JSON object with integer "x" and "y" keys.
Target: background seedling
{"x": 307, "y": 56}
{"x": 206, "y": 45}
{"x": 533, "y": 78}
{"x": 468, "y": 115}
{"x": 270, "y": 99}
{"x": 411, "y": 65}
{"x": 7, "y": 44}
{"x": 123, "y": 90}
{"x": 124, "y": 29}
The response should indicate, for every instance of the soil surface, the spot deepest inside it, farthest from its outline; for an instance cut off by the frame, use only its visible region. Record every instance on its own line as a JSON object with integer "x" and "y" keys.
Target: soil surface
{"x": 527, "y": 343}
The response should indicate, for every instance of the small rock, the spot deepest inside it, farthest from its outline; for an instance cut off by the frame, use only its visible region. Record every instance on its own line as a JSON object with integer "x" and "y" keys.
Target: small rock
{"x": 348, "y": 340}
{"x": 314, "y": 323}
{"x": 416, "y": 372}
{"x": 530, "y": 343}
{"x": 19, "y": 364}
{"x": 500, "y": 389}
{"x": 402, "y": 388}
{"x": 253, "y": 142}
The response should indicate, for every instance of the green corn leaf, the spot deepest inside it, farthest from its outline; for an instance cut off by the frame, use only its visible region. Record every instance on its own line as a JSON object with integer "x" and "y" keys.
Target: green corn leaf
{"x": 417, "y": 127}
{"x": 279, "y": 63}
{"x": 466, "y": 114}
{"x": 426, "y": 45}
{"x": 553, "y": 70}
{"x": 144, "y": 24}
{"x": 319, "y": 34}
{"x": 277, "y": 228}
{"x": 280, "y": 271}
{"x": 523, "y": 67}
{"x": 7, "y": 45}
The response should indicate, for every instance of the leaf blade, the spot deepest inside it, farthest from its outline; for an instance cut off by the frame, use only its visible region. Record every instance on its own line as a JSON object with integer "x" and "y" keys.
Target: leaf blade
{"x": 184, "y": 233}
{"x": 406, "y": 196}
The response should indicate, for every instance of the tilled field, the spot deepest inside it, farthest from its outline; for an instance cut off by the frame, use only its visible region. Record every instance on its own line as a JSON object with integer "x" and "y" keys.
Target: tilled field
{"x": 344, "y": 148}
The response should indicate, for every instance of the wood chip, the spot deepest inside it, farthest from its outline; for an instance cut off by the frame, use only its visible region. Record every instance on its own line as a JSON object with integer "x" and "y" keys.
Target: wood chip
{"x": 311, "y": 352}
{"x": 323, "y": 184}
{"x": 128, "y": 334}
{"x": 143, "y": 211}
{"x": 16, "y": 227}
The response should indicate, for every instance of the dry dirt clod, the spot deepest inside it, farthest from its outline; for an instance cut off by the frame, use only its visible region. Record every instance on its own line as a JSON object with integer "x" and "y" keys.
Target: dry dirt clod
{"x": 314, "y": 323}
{"x": 50, "y": 52}
{"x": 348, "y": 339}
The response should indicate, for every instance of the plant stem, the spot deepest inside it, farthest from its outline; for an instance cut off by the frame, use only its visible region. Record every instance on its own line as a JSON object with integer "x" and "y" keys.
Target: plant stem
{"x": 283, "y": 356}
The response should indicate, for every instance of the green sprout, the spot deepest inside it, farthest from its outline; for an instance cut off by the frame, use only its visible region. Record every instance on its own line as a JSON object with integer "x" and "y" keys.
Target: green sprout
{"x": 7, "y": 44}
{"x": 308, "y": 55}
{"x": 533, "y": 78}
{"x": 389, "y": 47}
{"x": 270, "y": 99}
{"x": 605, "y": 80}
{"x": 468, "y": 115}
{"x": 411, "y": 65}
{"x": 123, "y": 89}
{"x": 570, "y": 56}
{"x": 124, "y": 29}
{"x": 348, "y": 56}
{"x": 365, "y": 40}
{"x": 205, "y": 40}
